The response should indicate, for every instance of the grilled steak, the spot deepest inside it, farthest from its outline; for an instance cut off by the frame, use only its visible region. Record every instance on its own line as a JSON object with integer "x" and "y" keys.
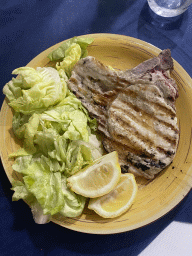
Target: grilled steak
{"x": 135, "y": 110}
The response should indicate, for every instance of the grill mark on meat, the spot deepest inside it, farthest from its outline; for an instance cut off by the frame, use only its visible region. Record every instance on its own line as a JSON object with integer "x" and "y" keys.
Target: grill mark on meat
{"x": 154, "y": 100}
{"x": 123, "y": 102}
{"x": 96, "y": 96}
{"x": 123, "y": 150}
{"x": 167, "y": 152}
{"x": 138, "y": 138}
{"x": 143, "y": 121}
{"x": 128, "y": 160}
{"x": 100, "y": 74}
{"x": 100, "y": 99}
{"x": 135, "y": 110}
{"x": 136, "y": 162}
{"x": 141, "y": 115}
{"x": 126, "y": 102}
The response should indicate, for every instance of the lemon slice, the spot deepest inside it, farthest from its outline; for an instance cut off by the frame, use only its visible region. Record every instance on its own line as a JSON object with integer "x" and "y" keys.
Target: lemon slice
{"x": 119, "y": 200}
{"x": 97, "y": 179}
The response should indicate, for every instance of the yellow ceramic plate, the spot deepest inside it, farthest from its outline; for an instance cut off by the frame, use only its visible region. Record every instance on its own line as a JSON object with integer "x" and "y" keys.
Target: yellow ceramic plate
{"x": 155, "y": 198}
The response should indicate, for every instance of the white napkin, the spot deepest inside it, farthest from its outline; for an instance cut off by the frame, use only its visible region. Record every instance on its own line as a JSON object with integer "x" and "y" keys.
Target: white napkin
{"x": 174, "y": 240}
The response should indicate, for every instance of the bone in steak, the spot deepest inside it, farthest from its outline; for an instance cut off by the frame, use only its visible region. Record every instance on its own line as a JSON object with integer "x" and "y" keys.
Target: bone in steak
{"x": 135, "y": 110}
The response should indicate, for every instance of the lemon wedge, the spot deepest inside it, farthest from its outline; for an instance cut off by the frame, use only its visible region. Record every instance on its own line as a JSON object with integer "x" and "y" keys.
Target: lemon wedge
{"x": 98, "y": 178}
{"x": 119, "y": 200}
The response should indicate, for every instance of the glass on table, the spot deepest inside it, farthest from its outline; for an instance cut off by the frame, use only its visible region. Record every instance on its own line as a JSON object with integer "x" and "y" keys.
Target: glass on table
{"x": 169, "y": 8}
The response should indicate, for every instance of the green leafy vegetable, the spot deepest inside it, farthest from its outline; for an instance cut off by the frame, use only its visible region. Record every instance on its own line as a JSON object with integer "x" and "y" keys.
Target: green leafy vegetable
{"x": 68, "y": 119}
{"x": 59, "y": 53}
{"x": 56, "y": 131}
{"x": 19, "y": 122}
{"x": 69, "y": 53}
{"x": 74, "y": 204}
{"x": 72, "y": 56}
{"x": 43, "y": 184}
{"x": 21, "y": 192}
{"x": 56, "y": 145}
{"x": 34, "y": 90}
{"x": 47, "y": 187}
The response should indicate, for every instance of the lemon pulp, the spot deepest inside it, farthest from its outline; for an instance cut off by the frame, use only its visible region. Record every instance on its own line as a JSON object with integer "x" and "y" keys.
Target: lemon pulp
{"x": 118, "y": 197}
{"x": 97, "y": 179}
{"x": 118, "y": 200}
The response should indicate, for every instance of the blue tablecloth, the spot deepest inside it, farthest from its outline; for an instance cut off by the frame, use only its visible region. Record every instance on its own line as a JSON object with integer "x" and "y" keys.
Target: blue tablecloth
{"x": 27, "y": 27}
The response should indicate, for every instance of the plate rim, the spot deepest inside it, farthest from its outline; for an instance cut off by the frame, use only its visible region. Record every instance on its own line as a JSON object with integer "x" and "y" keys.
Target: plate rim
{"x": 155, "y": 51}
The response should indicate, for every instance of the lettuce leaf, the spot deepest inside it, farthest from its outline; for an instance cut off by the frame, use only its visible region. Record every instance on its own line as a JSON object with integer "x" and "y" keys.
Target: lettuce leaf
{"x": 69, "y": 53}
{"x": 52, "y": 131}
{"x": 72, "y": 56}
{"x": 21, "y": 192}
{"x": 40, "y": 182}
{"x": 30, "y": 130}
{"x": 77, "y": 157}
{"x": 19, "y": 122}
{"x": 46, "y": 191}
{"x": 56, "y": 131}
{"x": 59, "y": 53}
{"x": 38, "y": 215}
{"x": 63, "y": 155}
{"x": 34, "y": 90}
{"x": 54, "y": 150}
{"x": 74, "y": 204}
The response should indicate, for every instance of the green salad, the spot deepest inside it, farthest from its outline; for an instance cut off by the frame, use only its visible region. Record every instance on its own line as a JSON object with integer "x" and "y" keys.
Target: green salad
{"x": 58, "y": 135}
